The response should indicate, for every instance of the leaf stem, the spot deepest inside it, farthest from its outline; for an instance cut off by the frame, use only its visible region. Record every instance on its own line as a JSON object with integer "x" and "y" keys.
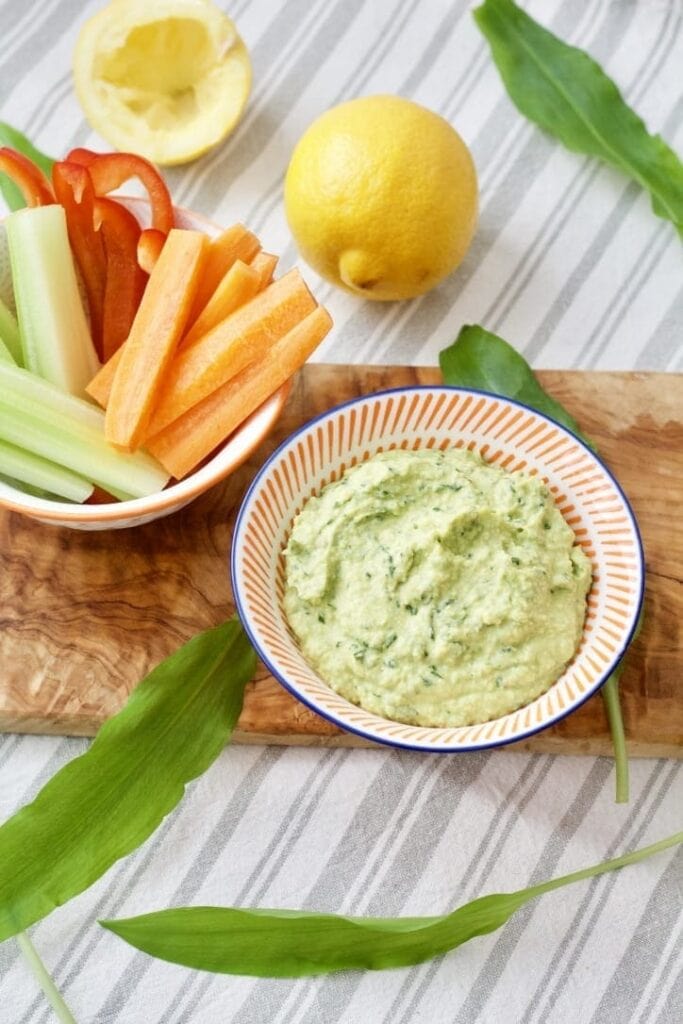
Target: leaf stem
{"x": 608, "y": 865}
{"x": 610, "y": 695}
{"x": 44, "y": 979}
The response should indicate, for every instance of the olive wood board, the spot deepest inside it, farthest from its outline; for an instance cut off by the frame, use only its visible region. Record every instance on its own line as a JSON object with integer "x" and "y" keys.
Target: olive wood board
{"x": 85, "y": 615}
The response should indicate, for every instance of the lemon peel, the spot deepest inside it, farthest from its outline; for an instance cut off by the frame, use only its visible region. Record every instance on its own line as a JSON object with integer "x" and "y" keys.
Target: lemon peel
{"x": 381, "y": 197}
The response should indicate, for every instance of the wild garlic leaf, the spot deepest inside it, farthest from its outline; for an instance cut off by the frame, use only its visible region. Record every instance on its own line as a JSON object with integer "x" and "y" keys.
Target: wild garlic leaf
{"x": 105, "y": 803}
{"x": 292, "y": 944}
{"x": 479, "y": 359}
{"x": 12, "y": 137}
{"x": 567, "y": 94}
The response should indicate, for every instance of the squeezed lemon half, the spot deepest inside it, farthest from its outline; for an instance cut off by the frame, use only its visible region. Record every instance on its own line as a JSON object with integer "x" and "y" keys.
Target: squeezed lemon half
{"x": 167, "y": 79}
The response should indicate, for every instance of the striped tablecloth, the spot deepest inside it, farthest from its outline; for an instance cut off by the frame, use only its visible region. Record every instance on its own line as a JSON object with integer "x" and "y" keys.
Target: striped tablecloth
{"x": 570, "y": 265}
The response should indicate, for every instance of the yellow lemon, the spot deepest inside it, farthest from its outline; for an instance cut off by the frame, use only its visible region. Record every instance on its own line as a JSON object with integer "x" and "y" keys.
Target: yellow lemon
{"x": 381, "y": 197}
{"x": 164, "y": 78}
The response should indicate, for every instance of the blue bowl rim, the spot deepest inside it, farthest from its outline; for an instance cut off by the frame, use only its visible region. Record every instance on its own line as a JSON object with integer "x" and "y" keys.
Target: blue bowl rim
{"x": 356, "y": 730}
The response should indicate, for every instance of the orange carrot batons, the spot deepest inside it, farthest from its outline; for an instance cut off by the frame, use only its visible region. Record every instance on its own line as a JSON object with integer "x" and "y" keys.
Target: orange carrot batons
{"x": 202, "y": 367}
{"x": 99, "y": 387}
{"x": 183, "y": 444}
{"x": 158, "y": 327}
{"x": 264, "y": 263}
{"x": 240, "y": 284}
{"x": 235, "y": 243}
{"x": 234, "y": 293}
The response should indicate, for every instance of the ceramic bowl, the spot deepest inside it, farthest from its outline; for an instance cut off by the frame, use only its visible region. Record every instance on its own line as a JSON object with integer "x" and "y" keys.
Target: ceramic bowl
{"x": 505, "y": 433}
{"x": 120, "y": 514}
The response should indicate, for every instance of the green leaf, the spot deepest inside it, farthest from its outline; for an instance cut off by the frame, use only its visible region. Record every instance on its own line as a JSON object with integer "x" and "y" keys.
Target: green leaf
{"x": 567, "y": 94}
{"x": 104, "y": 804}
{"x": 12, "y": 137}
{"x": 479, "y": 359}
{"x": 290, "y": 944}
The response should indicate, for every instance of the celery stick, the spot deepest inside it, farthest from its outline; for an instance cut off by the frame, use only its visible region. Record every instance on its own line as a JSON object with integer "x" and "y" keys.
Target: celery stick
{"x": 79, "y": 449}
{"x": 120, "y": 495}
{"x": 37, "y": 417}
{"x": 54, "y": 332}
{"x": 5, "y": 354}
{"x": 27, "y": 386}
{"x": 9, "y": 333}
{"x": 6, "y": 289}
{"x": 37, "y": 472}
{"x": 18, "y": 485}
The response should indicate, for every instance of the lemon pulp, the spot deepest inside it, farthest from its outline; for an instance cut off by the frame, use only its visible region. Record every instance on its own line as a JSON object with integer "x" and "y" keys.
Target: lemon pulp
{"x": 167, "y": 79}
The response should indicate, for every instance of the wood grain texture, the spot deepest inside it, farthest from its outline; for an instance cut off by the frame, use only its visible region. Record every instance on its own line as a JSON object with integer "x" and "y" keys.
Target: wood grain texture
{"x": 85, "y": 615}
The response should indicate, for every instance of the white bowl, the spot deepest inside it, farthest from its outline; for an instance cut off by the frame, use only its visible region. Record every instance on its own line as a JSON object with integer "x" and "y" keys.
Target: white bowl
{"x": 121, "y": 514}
{"x": 504, "y": 433}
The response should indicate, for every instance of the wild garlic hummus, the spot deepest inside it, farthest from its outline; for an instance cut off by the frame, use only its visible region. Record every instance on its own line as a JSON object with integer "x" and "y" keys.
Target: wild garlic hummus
{"x": 435, "y": 589}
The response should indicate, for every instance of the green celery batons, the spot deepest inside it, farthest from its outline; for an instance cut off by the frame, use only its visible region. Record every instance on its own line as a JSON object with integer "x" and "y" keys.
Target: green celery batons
{"x": 23, "y": 467}
{"x": 53, "y": 328}
{"x": 10, "y": 342}
{"x": 42, "y": 419}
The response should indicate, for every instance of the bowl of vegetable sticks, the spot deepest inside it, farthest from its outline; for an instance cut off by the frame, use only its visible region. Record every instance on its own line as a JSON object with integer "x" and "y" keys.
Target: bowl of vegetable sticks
{"x": 144, "y": 352}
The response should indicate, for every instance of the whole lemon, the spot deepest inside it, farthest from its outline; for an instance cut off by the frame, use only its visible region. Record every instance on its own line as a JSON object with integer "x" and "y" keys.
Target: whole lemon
{"x": 381, "y": 197}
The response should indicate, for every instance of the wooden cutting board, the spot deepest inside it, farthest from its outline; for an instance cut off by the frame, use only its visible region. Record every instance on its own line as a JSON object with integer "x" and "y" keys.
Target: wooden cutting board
{"x": 85, "y": 615}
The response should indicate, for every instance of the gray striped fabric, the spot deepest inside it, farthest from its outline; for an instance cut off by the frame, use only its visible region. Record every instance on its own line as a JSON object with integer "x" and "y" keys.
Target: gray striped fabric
{"x": 571, "y": 266}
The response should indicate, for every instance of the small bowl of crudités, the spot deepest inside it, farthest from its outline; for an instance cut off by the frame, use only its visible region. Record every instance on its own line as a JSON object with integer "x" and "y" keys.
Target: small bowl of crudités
{"x": 437, "y": 568}
{"x": 144, "y": 352}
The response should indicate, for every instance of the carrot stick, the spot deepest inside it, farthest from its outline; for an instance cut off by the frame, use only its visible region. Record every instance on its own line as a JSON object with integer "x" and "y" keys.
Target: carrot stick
{"x": 194, "y": 435}
{"x": 239, "y": 340}
{"x": 235, "y": 243}
{"x": 244, "y": 283}
{"x": 265, "y": 263}
{"x": 158, "y": 326}
{"x": 240, "y": 284}
{"x": 99, "y": 387}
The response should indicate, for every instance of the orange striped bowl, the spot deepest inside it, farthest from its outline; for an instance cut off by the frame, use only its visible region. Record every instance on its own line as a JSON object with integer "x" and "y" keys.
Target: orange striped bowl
{"x": 506, "y": 434}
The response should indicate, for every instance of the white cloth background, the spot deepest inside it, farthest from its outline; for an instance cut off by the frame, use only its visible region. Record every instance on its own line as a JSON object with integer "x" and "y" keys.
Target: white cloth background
{"x": 571, "y": 266}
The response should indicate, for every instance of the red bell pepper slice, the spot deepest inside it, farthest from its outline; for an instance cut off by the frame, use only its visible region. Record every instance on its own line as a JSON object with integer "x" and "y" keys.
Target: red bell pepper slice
{"x": 33, "y": 184}
{"x": 125, "y": 279}
{"x": 81, "y": 156}
{"x": 74, "y": 190}
{"x": 110, "y": 170}
{"x": 149, "y": 248}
